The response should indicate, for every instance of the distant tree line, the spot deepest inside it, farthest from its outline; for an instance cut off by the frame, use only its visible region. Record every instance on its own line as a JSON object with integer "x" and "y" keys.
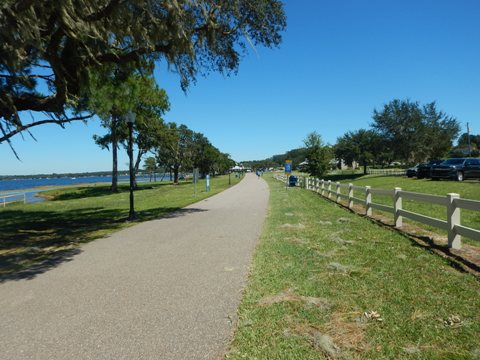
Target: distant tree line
{"x": 403, "y": 131}
{"x": 467, "y": 145}
{"x": 296, "y": 155}
{"x": 56, "y": 175}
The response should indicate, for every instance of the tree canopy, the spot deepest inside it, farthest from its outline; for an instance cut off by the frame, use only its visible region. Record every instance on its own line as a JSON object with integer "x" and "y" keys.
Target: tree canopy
{"x": 49, "y": 50}
{"x": 318, "y": 155}
{"x": 467, "y": 145}
{"x": 175, "y": 149}
{"x": 114, "y": 93}
{"x": 362, "y": 146}
{"x": 414, "y": 133}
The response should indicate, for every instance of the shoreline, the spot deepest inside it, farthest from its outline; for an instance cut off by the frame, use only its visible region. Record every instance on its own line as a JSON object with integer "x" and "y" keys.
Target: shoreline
{"x": 43, "y": 188}
{"x": 21, "y": 187}
{"x": 36, "y": 191}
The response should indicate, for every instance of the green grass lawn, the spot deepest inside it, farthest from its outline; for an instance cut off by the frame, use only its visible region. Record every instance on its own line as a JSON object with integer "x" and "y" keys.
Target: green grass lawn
{"x": 328, "y": 284}
{"x": 469, "y": 189}
{"x": 49, "y": 232}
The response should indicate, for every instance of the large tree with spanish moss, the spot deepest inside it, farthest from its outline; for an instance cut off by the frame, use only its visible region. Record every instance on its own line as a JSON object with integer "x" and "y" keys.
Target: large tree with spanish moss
{"x": 50, "y": 49}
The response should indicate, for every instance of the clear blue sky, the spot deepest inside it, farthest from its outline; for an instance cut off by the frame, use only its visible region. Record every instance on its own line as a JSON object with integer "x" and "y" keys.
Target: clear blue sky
{"x": 338, "y": 61}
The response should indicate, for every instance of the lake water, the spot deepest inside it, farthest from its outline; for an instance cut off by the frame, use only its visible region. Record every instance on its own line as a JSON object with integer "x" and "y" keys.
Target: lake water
{"x": 17, "y": 187}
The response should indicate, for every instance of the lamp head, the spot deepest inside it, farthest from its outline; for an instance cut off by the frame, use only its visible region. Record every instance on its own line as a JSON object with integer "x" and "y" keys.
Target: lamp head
{"x": 130, "y": 117}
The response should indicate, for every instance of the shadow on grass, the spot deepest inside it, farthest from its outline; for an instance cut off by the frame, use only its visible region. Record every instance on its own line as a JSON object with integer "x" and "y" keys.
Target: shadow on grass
{"x": 33, "y": 242}
{"x": 343, "y": 177}
{"x": 459, "y": 262}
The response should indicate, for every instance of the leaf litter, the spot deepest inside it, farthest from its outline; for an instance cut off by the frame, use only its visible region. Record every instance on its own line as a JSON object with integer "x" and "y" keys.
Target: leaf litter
{"x": 290, "y": 296}
{"x": 293, "y": 226}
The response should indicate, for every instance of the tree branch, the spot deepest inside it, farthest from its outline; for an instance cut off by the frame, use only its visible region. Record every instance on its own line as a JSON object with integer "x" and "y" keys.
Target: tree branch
{"x": 23, "y": 5}
{"x": 132, "y": 55}
{"x": 8, "y": 135}
{"x": 107, "y": 10}
{"x": 43, "y": 77}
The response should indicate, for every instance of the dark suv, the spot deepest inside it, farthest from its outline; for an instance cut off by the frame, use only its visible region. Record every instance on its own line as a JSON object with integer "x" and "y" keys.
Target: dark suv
{"x": 457, "y": 169}
{"x": 424, "y": 170}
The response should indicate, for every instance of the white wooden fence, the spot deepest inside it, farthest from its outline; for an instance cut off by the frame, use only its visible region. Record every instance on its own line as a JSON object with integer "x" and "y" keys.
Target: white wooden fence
{"x": 386, "y": 172}
{"x": 452, "y": 202}
{"x": 13, "y": 198}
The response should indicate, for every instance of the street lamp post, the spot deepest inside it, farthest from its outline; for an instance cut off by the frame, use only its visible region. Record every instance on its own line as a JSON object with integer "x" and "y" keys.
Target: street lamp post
{"x": 130, "y": 119}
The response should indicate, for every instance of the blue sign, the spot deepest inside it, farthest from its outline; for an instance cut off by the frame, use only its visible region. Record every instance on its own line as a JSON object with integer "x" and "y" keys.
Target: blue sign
{"x": 288, "y": 167}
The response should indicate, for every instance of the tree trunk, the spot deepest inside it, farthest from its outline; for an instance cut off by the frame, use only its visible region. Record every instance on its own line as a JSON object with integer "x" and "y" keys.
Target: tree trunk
{"x": 175, "y": 174}
{"x": 136, "y": 167}
{"x": 365, "y": 168}
{"x": 114, "y": 187}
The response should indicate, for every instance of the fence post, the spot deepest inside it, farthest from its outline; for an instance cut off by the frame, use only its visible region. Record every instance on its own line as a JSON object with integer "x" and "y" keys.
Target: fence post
{"x": 323, "y": 187}
{"x": 329, "y": 189}
{"x": 338, "y": 192}
{"x": 397, "y": 205}
{"x": 368, "y": 201}
{"x": 317, "y": 186}
{"x": 453, "y": 218}
{"x": 350, "y": 196}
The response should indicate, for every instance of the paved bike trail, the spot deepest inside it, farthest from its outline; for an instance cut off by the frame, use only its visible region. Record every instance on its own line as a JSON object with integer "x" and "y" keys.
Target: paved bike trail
{"x": 163, "y": 289}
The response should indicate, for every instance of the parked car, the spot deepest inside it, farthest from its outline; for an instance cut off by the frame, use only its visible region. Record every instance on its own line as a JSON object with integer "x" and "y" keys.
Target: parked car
{"x": 457, "y": 169}
{"x": 424, "y": 170}
{"x": 411, "y": 172}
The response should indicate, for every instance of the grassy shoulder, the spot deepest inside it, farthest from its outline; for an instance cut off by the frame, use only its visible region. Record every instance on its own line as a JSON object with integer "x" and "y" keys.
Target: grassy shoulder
{"x": 48, "y": 232}
{"x": 326, "y": 283}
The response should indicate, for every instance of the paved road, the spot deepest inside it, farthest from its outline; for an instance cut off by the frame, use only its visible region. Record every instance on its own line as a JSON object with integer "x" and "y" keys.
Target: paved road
{"x": 165, "y": 289}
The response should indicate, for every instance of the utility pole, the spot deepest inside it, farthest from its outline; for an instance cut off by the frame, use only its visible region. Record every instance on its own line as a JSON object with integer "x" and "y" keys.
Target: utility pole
{"x": 469, "y": 146}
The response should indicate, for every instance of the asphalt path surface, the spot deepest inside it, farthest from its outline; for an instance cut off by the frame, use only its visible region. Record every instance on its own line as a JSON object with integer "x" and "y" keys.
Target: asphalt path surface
{"x": 163, "y": 289}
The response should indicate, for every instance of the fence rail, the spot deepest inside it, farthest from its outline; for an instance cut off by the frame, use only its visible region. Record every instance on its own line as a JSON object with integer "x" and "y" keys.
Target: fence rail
{"x": 452, "y": 202}
{"x": 387, "y": 172}
{"x": 19, "y": 197}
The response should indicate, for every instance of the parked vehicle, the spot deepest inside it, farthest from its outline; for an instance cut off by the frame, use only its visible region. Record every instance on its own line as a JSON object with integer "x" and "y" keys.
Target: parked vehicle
{"x": 413, "y": 171}
{"x": 424, "y": 170}
{"x": 457, "y": 169}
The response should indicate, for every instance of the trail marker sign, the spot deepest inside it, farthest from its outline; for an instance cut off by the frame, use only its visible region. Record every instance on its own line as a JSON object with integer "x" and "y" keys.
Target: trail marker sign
{"x": 288, "y": 167}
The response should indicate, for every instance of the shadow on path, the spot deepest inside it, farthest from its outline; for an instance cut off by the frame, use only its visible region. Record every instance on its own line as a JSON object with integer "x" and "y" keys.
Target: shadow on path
{"x": 33, "y": 242}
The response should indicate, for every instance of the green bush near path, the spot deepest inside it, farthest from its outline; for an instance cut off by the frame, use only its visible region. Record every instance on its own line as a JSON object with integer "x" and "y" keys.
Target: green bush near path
{"x": 328, "y": 284}
{"x": 35, "y": 237}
